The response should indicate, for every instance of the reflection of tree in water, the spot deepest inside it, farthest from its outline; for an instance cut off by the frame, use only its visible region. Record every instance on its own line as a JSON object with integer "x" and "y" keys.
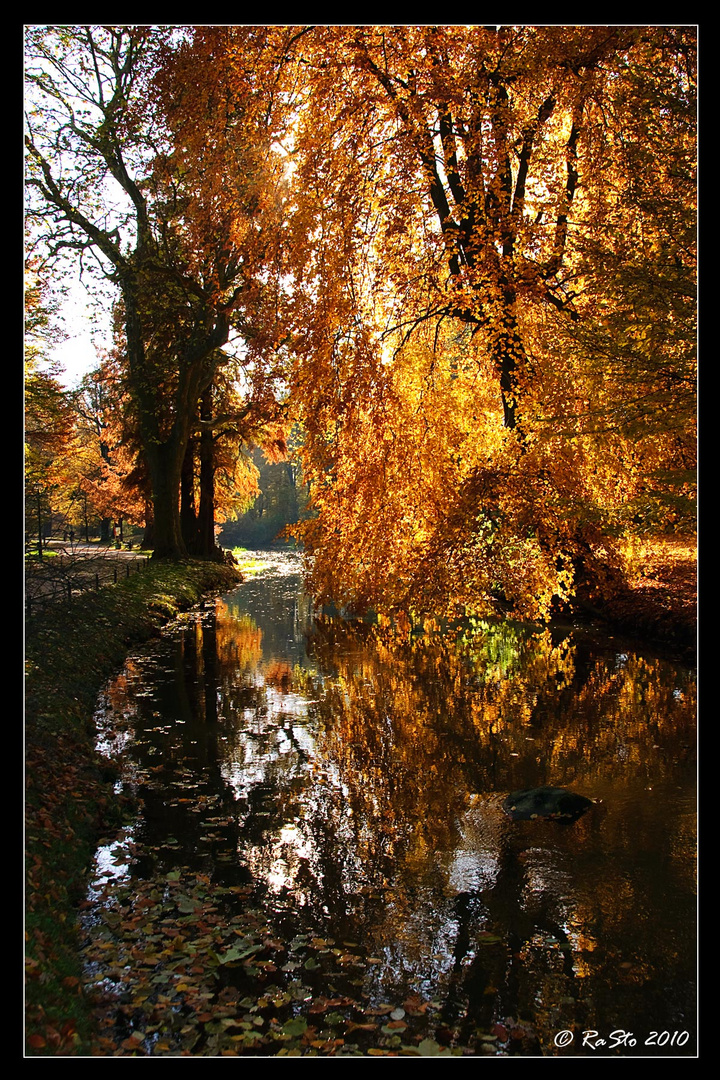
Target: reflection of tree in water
{"x": 360, "y": 784}
{"x": 354, "y": 778}
{"x": 413, "y": 727}
{"x": 490, "y": 966}
{"x": 426, "y": 707}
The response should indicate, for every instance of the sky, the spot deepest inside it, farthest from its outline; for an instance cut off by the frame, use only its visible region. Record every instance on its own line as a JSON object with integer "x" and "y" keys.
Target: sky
{"x": 77, "y": 354}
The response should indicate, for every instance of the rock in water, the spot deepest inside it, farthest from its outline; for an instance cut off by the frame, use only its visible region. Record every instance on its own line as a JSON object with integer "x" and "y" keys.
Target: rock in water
{"x": 546, "y": 802}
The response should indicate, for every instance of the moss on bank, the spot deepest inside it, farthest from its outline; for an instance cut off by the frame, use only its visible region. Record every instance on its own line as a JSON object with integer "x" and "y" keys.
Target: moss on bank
{"x": 71, "y": 650}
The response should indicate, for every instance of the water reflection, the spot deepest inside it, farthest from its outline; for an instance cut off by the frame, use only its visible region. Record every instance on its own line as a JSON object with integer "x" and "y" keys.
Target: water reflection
{"x": 351, "y": 774}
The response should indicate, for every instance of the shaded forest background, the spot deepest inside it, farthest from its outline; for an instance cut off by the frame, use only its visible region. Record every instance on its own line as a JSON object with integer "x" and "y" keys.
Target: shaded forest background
{"x": 282, "y": 502}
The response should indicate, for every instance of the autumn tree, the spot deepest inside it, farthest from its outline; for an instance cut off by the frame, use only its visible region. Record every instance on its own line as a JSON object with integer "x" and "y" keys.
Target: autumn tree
{"x": 111, "y": 181}
{"x": 280, "y": 502}
{"x": 455, "y": 194}
{"x": 48, "y": 418}
{"x": 106, "y": 457}
{"x": 461, "y": 258}
{"x": 219, "y": 481}
{"x": 635, "y": 345}
{"x": 476, "y": 133}
{"x": 219, "y": 88}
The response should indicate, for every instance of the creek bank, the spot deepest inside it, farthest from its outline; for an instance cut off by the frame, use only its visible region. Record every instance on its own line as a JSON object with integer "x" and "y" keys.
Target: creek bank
{"x": 70, "y": 651}
{"x": 660, "y": 600}
{"x": 653, "y": 612}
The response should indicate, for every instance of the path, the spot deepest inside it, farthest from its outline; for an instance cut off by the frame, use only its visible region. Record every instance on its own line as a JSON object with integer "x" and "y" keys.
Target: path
{"x": 76, "y": 567}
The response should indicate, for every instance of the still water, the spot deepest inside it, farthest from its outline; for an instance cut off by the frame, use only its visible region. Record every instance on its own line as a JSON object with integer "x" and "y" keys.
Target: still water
{"x": 319, "y": 861}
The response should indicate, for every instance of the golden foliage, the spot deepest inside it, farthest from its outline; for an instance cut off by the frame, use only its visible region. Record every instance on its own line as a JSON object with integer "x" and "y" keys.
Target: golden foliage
{"x": 460, "y": 259}
{"x": 488, "y": 404}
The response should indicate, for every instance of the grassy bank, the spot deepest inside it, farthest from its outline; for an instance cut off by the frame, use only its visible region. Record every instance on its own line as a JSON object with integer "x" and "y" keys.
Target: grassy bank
{"x": 71, "y": 650}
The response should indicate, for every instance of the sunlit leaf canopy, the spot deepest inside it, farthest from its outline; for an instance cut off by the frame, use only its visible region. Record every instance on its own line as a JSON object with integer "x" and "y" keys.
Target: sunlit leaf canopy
{"x": 460, "y": 259}
{"x": 489, "y": 244}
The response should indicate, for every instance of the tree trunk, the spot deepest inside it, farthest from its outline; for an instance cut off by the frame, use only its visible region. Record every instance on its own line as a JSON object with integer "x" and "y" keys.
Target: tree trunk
{"x": 148, "y": 540}
{"x": 206, "y": 512}
{"x": 165, "y": 467}
{"x": 165, "y": 452}
{"x": 510, "y": 360}
{"x": 188, "y": 513}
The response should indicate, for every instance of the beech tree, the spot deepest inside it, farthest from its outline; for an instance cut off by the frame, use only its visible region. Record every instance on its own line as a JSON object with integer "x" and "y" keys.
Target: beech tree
{"x": 464, "y": 194}
{"x": 636, "y": 340}
{"x": 105, "y": 457}
{"x": 477, "y": 130}
{"x": 108, "y": 183}
{"x": 219, "y": 479}
{"x": 223, "y": 97}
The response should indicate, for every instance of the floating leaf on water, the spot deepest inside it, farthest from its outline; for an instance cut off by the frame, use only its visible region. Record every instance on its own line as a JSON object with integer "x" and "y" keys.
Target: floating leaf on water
{"x": 430, "y": 1048}
{"x": 360, "y": 1027}
{"x": 215, "y": 1027}
{"x": 239, "y": 952}
{"x": 416, "y": 1006}
{"x": 296, "y": 1026}
{"x": 393, "y": 1027}
{"x": 186, "y": 904}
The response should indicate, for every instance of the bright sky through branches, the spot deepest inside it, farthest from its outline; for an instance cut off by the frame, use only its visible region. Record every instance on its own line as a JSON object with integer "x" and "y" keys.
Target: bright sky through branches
{"x": 77, "y": 356}
{"x": 86, "y": 332}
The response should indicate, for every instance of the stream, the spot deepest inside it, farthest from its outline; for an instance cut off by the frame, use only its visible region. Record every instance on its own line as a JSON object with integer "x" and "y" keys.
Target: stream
{"x": 318, "y": 861}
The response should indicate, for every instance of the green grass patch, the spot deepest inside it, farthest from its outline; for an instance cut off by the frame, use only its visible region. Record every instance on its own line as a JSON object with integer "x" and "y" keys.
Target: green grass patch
{"x": 247, "y": 563}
